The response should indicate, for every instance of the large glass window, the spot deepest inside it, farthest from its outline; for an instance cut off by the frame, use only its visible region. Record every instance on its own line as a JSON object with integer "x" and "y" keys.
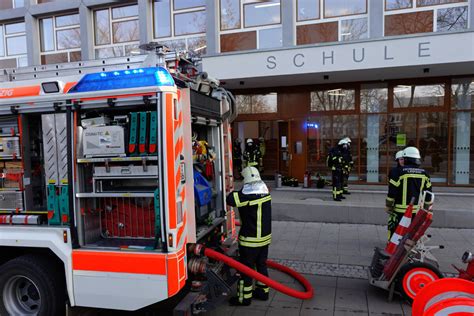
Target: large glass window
{"x": 373, "y": 99}
{"x": 452, "y": 19}
{"x": 433, "y": 144}
{"x": 307, "y": 10}
{"x": 10, "y": 4}
{"x": 116, "y": 31}
{"x": 190, "y": 23}
{"x": 60, "y": 38}
{"x": 405, "y": 96}
{"x": 180, "y": 24}
{"x": 354, "y": 29}
{"x": 398, "y": 4}
{"x": 334, "y": 8}
{"x": 230, "y": 14}
{"x": 421, "y": 3}
{"x": 257, "y": 103}
{"x": 373, "y": 147}
{"x": 333, "y": 100}
{"x": 269, "y": 38}
{"x": 263, "y": 13}
{"x": 12, "y": 45}
{"x": 462, "y": 122}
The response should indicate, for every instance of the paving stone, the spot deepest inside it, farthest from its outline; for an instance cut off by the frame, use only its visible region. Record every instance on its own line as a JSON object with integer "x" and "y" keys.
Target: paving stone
{"x": 378, "y": 304}
{"x": 351, "y": 300}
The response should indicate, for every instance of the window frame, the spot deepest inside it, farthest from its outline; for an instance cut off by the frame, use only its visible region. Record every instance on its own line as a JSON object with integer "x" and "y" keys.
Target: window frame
{"x": 310, "y": 19}
{"x": 4, "y": 38}
{"x": 345, "y": 15}
{"x": 56, "y": 29}
{"x": 240, "y": 17}
{"x": 244, "y": 27}
{"x": 119, "y": 45}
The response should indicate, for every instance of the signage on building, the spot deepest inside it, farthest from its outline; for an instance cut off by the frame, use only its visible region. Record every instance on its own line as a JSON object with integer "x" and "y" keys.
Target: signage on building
{"x": 372, "y": 54}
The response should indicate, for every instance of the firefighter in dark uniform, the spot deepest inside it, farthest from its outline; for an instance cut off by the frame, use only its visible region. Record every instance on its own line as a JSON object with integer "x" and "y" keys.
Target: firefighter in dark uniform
{"x": 406, "y": 182}
{"x": 348, "y": 164}
{"x": 255, "y": 210}
{"x": 335, "y": 162}
{"x": 237, "y": 155}
{"x": 252, "y": 154}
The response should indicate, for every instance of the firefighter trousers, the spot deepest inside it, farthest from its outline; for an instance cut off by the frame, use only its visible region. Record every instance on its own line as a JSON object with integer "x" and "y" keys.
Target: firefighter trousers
{"x": 337, "y": 184}
{"x": 345, "y": 182}
{"x": 255, "y": 258}
{"x": 393, "y": 219}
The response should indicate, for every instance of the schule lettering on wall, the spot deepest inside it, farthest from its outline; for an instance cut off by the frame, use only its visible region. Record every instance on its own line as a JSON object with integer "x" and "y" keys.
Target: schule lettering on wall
{"x": 360, "y": 55}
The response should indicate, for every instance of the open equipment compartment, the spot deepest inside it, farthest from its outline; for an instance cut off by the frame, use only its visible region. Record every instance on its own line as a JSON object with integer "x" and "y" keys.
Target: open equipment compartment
{"x": 117, "y": 164}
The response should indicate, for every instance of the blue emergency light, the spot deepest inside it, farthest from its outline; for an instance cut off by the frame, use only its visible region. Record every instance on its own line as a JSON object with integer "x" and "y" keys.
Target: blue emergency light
{"x": 132, "y": 78}
{"x": 312, "y": 125}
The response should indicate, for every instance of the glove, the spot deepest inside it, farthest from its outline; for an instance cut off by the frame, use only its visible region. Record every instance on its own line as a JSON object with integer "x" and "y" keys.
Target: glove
{"x": 388, "y": 210}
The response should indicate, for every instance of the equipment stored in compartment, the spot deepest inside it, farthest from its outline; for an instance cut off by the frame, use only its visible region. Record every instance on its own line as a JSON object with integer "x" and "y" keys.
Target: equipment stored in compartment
{"x": 9, "y": 147}
{"x": 103, "y": 141}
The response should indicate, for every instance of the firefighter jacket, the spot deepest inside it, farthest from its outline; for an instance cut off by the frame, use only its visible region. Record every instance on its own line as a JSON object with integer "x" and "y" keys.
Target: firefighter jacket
{"x": 335, "y": 160}
{"x": 255, "y": 218}
{"x": 347, "y": 159}
{"x": 252, "y": 155}
{"x": 404, "y": 183}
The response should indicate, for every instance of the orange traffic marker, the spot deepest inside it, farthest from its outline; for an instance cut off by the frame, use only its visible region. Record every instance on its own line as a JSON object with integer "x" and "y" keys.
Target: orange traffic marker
{"x": 401, "y": 230}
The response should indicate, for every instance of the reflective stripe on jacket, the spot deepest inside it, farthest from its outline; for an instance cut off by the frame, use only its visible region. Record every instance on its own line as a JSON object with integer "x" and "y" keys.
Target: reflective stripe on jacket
{"x": 255, "y": 218}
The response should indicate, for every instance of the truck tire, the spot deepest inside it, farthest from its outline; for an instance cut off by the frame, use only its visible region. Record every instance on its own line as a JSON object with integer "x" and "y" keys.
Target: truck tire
{"x": 413, "y": 277}
{"x": 31, "y": 285}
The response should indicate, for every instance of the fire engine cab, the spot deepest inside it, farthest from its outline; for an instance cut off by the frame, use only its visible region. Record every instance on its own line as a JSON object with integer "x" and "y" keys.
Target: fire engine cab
{"x": 110, "y": 169}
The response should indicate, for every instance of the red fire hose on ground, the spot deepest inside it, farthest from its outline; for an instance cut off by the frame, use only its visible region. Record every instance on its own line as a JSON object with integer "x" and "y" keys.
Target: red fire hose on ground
{"x": 308, "y": 294}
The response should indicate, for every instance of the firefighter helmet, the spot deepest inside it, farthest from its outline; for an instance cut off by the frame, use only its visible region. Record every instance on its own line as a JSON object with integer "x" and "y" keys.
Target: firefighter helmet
{"x": 343, "y": 142}
{"x": 399, "y": 154}
{"x": 348, "y": 140}
{"x": 250, "y": 175}
{"x": 249, "y": 141}
{"x": 411, "y": 152}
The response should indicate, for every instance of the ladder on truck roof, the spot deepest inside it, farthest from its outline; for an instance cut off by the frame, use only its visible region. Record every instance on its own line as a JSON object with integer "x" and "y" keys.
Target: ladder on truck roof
{"x": 178, "y": 64}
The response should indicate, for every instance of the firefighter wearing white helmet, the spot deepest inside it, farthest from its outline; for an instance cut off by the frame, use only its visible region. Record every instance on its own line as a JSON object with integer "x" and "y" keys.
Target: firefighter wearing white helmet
{"x": 252, "y": 154}
{"x": 406, "y": 182}
{"x": 348, "y": 163}
{"x": 335, "y": 162}
{"x": 255, "y": 210}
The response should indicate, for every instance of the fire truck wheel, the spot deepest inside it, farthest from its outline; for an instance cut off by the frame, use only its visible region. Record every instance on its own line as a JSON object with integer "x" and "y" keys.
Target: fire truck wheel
{"x": 29, "y": 285}
{"x": 413, "y": 277}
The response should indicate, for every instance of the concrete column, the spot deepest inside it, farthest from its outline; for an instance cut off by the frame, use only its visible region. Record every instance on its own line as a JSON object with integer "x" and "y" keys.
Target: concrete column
{"x": 32, "y": 39}
{"x": 212, "y": 27}
{"x": 145, "y": 10}
{"x": 87, "y": 32}
{"x": 376, "y": 9}
{"x": 471, "y": 14}
{"x": 288, "y": 22}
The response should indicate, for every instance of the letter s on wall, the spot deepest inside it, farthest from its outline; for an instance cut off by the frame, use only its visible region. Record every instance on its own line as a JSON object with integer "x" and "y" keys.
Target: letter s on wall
{"x": 271, "y": 62}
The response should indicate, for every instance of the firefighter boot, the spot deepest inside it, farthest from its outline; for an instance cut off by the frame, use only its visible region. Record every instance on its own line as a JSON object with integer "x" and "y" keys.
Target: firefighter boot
{"x": 261, "y": 292}
{"x": 244, "y": 295}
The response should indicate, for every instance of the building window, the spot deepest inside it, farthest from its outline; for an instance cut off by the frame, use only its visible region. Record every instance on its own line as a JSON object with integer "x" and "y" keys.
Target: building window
{"x": 373, "y": 99}
{"x": 443, "y": 16}
{"x": 13, "y": 45}
{"x": 333, "y": 100}
{"x": 60, "y": 39}
{"x": 335, "y": 8}
{"x": 307, "y": 10}
{"x": 397, "y": 4}
{"x": 116, "y": 31}
{"x": 406, "y": 96}
{"x": 180, "y": 24}
{"x": 269, "y": 38}
{"x": 422, "y": 3}
{"x": 230, "y": 14}
{"x": 262, "y": 13}
{"x": 10, "y": 4}
{"x": 354, "y": 29}
{"x": 452, "y": 19}
{"x": 257, "y": 103}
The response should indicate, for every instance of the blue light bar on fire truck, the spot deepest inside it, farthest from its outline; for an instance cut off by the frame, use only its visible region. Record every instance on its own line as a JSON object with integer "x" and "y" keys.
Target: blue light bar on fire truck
{"x": 122, "y": 79}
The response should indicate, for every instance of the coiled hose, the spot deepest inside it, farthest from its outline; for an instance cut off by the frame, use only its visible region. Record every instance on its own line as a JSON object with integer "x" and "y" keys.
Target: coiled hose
{"x": 308, "y": 294}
